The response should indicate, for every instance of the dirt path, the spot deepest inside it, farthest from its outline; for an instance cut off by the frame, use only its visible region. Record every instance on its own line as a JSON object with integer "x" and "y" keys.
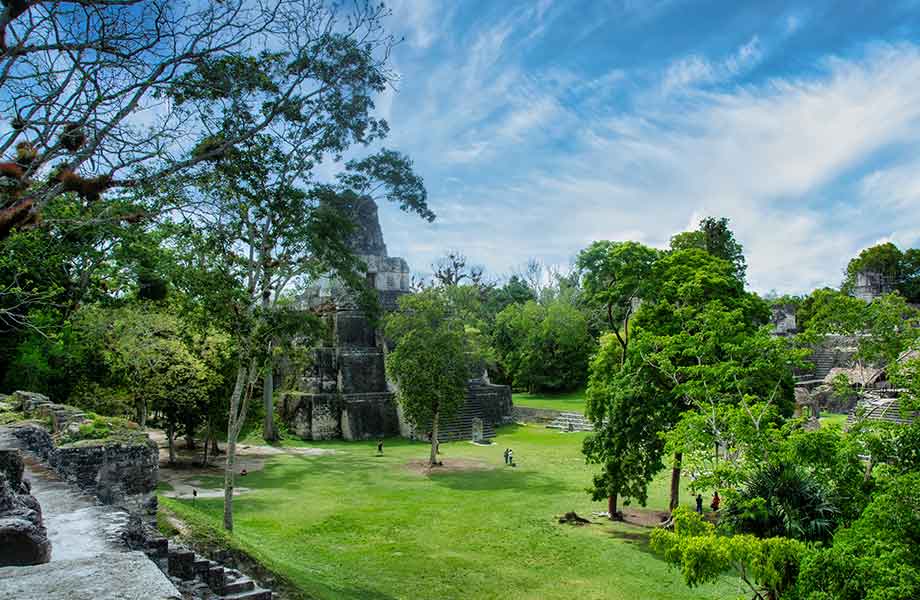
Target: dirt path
{"x": 186, "y": 477}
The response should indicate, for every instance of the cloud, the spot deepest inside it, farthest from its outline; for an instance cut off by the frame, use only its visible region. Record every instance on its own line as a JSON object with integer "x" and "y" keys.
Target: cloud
{"x": 538, "y": 162}
{"x": 692, "y": 71}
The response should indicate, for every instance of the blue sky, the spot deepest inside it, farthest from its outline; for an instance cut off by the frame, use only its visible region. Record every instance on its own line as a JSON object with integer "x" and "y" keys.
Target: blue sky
{"x": 541, "y": 126}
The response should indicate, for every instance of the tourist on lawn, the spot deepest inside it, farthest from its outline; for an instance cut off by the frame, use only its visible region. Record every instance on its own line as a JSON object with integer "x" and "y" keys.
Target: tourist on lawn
{"x": 380, "y": 448}
{"x": 714, "y": 505}
{"x": 699, "y": 503}
{"x": 510, "y": 457}
{"x": 505, "y": 455}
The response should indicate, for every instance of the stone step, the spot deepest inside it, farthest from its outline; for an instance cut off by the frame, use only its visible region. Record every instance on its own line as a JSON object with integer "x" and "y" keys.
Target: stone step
{"x": 257, "y": 594}
{"x": 242, "y": 584}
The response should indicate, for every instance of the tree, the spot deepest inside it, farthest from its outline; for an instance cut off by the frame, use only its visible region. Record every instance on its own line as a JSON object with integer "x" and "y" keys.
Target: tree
{"x": 901, "y": 269}
{"x": 265, "y": 220}
{"x": 432, "y": 360}
{"x": 451, "y": 270}
{"x": 781, "y": 500}
{"x": 715, "y": 237}
{"x": 626, "y": 441}
{"x": 768, "y": 567}
{"x": 699, "y": 342}
{"x": 84, "y": 79}
{"x": 873, "y": 558}
{"x": 615, "y": 277}
{"x": 543, "y": 346}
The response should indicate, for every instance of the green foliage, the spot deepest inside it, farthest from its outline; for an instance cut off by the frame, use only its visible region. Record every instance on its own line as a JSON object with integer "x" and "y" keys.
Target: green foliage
{"x": 875, "y": 557}
{"x": 902, "y": 268}
{"x": 697, "y": 344}
{"x": 767, "y": 566}
{"x": 781, "y": 500}
{"x": 886, "y": 326}
{"x": 614, "y": 275}
{"x": 433, "y": 357}
{"x": 715, "y": 237}
{"x": 543, "y": 347}
{"x": 100, "y": 428}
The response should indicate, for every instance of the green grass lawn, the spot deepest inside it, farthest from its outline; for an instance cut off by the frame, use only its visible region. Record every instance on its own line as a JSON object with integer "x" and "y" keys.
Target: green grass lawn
{"x": 833, "y": 419}
{"x": 566, "y": 401}
{"x": 354, "y": 525}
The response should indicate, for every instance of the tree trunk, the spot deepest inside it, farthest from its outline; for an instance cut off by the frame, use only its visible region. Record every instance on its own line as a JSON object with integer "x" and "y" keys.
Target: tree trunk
{"x": 612, "y": 506}
{"x": 238, "y": 404}
{"x": 433, "y": 459}
{"x": 228, "y": 485}
{"x": 190, "y": 439}
{"x": 675, "y": 480}
{"x": 207, "y": 441}
{"x": 171, "y": 441}
{"x": 140, "y": 407}
{"x": 269, "y": 432}
{"x": 215, "y": 447}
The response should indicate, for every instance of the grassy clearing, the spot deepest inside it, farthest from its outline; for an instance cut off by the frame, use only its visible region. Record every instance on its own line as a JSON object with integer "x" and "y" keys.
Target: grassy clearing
{"x": 565, "y": 401}
{"x": 355, "y": 525}
{"x": 833, "y": 419}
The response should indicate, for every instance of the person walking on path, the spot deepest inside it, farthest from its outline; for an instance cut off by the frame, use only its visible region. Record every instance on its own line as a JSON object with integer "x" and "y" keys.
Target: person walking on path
{"x": 699, "y": 503}
{"x": 714, "y": 505}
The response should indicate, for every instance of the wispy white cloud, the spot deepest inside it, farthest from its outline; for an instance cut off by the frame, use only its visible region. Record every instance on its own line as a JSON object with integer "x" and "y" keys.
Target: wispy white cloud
{"x": 766, "y": 155}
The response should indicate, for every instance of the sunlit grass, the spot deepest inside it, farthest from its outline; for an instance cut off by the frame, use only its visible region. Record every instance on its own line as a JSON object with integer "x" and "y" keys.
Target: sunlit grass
{"x": 355, "y": 525}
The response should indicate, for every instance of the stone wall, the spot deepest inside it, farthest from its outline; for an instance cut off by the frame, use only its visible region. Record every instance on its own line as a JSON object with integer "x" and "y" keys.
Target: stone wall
{"x": 118, "y": 471}
{"x": 524, "y": 414}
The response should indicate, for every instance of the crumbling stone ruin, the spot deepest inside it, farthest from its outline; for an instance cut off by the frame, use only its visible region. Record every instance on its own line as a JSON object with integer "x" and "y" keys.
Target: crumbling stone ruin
{"x": 121, "y": 471}
{"x": 344, "y": 393}
{"x": 23, "y": 538}
{"x": 872, "y": 284}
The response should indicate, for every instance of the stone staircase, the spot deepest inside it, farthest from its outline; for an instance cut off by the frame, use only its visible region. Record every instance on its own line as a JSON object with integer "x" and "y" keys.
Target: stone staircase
{"x": 460, "y": 426}
{"x": 569, "y": 421}
{"x": 195, "y": 576}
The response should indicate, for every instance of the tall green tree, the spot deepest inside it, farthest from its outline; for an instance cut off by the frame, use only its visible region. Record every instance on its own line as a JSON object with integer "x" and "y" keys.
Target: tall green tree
{"x": 715, "y": 237}
{"x": 615, "y": 277}
{"x": 432, "y": 360}
{"x": 265, "y": 219}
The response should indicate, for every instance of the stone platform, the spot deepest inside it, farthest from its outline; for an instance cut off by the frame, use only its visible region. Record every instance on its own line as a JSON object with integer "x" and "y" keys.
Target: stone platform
{"x": 110, "y": 576}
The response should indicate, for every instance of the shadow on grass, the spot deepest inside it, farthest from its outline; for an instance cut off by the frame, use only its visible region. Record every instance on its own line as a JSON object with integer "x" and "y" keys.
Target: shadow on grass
{"x": 639, "y": 539}
{"x": 497, "y": 479}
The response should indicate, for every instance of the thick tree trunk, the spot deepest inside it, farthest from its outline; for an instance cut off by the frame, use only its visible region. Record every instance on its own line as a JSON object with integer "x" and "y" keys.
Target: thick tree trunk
{"x": 190, "y": 440}
{"x": 171, "y": 441}
{"x": 675, "y": 480}
{"x": 612, "y": 506}
{"x": 433, "y": 459}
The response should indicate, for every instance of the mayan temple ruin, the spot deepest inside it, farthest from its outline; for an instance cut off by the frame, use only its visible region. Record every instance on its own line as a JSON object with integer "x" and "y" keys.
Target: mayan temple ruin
{"x": 344, "y": 393}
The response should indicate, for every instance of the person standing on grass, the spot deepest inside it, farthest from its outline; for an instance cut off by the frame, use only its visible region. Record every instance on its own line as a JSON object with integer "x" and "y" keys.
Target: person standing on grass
{"x": 714, "y": 505}
{"x": 380, "y": 448}
{"x": 505, "y": 455}
{"x": 699, "y": 503}
{"x": 510, "y": 457}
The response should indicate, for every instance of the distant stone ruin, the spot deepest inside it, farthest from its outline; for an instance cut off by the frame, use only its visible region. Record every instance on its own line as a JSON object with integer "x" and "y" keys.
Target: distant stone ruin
{"x": 344, "y": 392}
{"x": 872, "y": 284}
